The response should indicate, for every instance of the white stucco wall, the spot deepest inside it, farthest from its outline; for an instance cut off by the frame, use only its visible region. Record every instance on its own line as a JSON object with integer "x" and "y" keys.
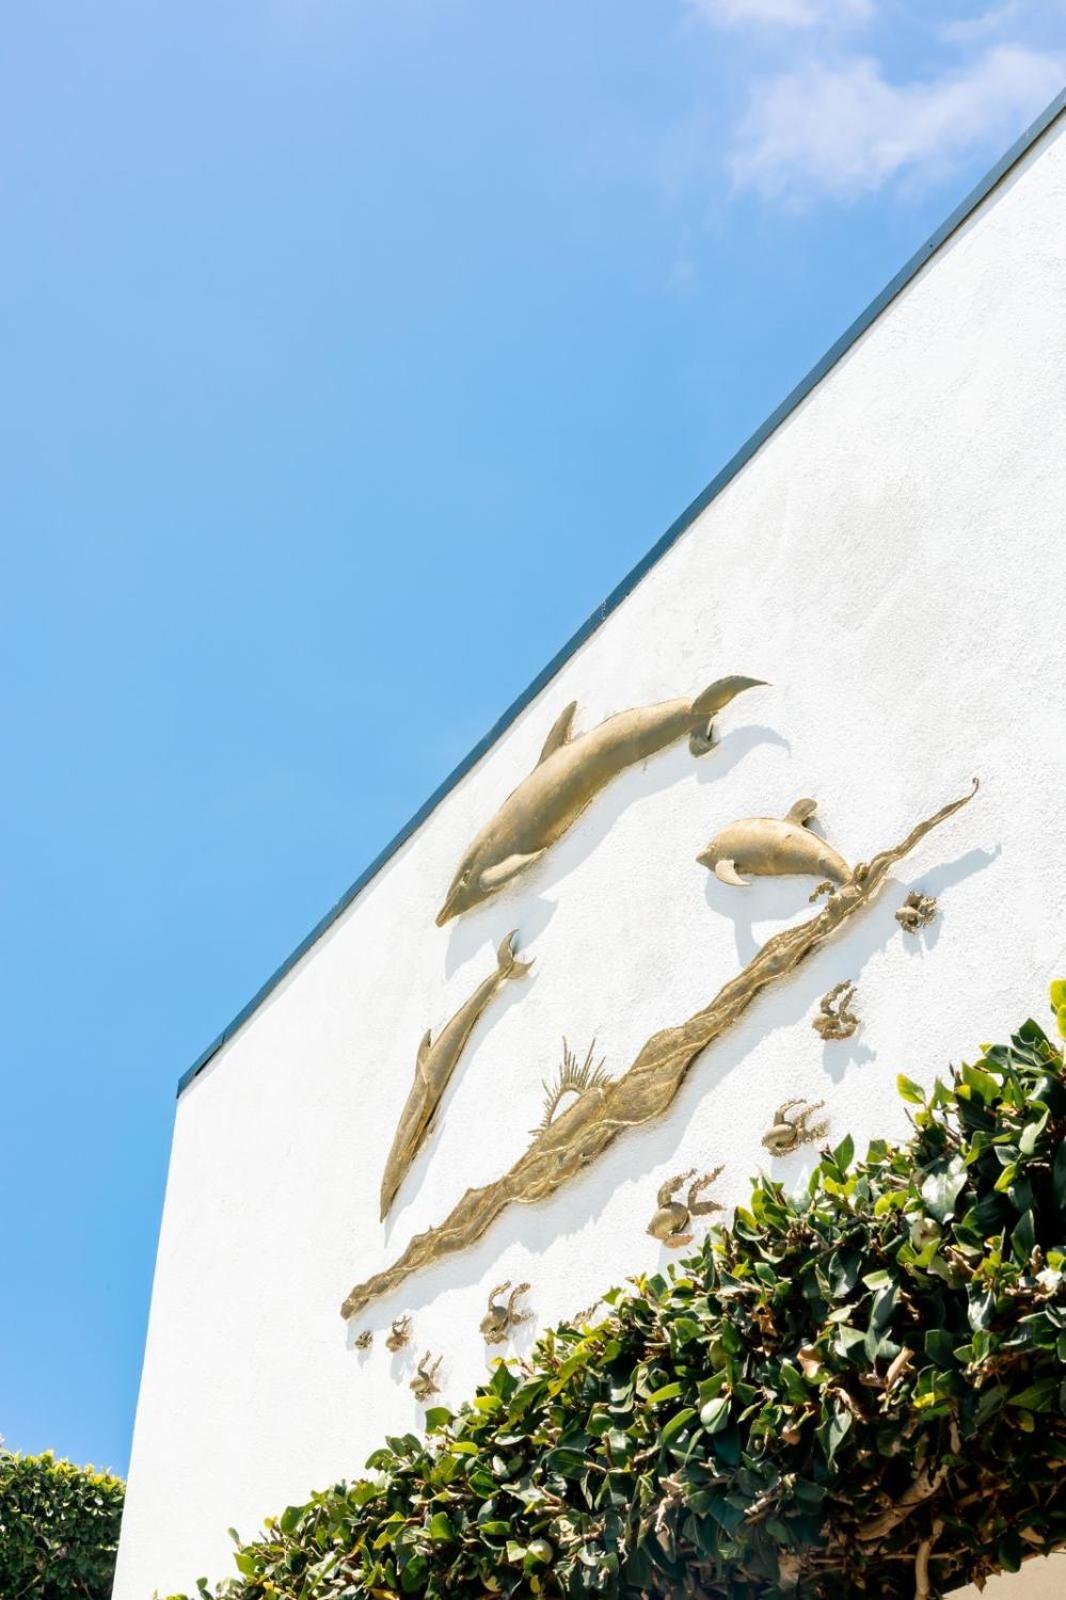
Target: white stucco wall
{"x": 893, "y": 561}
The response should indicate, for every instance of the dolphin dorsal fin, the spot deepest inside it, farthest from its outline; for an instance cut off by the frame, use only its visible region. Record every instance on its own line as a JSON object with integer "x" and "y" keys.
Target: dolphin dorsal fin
{"x": 560, "y": 732}
{"x": 802, "y": 812}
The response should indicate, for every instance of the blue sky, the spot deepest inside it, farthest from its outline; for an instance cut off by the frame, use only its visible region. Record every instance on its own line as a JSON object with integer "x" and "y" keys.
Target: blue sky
{"x": 352, "y": 352}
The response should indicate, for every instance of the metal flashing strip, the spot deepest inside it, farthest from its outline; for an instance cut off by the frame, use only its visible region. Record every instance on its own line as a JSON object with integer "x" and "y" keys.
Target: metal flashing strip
{"x": 849, "y": 337}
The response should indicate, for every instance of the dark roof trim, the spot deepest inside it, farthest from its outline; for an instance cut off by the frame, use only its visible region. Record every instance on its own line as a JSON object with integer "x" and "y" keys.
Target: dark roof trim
{"x": 630, "y": 581}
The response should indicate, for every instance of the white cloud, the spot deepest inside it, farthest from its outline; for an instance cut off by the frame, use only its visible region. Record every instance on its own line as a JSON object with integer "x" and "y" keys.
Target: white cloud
{"x": 843, "y": 130}
{"x": 970, "y": 30}
{"x": 781, "y": 13}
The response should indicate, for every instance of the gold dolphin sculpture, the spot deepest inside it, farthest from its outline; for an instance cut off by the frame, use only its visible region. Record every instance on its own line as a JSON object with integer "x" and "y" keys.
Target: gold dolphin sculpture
{"x": 436, "y": 1061}
{"x": 774, "y": 847}
{"x": 568, "y": 776}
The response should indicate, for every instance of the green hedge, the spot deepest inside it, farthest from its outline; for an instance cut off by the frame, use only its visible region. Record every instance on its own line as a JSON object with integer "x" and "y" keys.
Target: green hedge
{"x": 58, "y": 1529}
{"x": 857, "y": 1391}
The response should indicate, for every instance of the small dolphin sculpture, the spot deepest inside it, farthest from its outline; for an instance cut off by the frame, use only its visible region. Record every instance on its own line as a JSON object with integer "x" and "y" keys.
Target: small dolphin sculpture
{"x": 568, "y": 776}
{"x": 436, "y": 1061}
{"x": 774, "y": 847}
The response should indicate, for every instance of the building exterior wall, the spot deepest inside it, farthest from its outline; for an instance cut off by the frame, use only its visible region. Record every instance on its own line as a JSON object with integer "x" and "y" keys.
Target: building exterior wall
{"x": 892, "y": 561}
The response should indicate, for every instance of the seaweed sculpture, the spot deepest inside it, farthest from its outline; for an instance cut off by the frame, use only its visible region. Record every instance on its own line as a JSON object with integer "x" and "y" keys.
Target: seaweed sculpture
{"x": 572, "y": 1078}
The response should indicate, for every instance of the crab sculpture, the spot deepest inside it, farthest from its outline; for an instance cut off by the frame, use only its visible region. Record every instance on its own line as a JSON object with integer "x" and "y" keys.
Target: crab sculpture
{"x": 400, "y": 1335}
{"x": 672, "y": 1221}
{"x": 364, "y": 1340}
{"x": 791, "y": 1128}
{"x": 917, "y": 911}
{"x": 501, "y": 1316}
{"x": 835, "y": 1019}
{"x": 424, "y": 1383}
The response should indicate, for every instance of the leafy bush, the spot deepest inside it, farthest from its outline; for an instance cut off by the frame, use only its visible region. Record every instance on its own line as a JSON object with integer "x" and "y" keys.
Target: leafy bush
{"x": 58, "y": 1529}
{"x": 856, "y": 1391}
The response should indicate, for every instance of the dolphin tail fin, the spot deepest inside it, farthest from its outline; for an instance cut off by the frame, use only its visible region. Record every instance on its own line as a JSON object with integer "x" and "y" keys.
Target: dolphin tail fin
{"x": 508, "y": 964}
{"x": 707, "y": 705}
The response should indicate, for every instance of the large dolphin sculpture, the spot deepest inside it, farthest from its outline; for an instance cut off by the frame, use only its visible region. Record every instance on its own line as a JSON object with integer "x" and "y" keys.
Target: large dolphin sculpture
{"x": 775, "y": 847}
{"x": 568, "y": 775}
{"x": 436, "y": 1061}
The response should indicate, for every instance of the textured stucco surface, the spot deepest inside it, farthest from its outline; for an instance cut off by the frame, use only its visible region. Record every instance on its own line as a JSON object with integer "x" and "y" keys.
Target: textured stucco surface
{"x": 892, "y": 561}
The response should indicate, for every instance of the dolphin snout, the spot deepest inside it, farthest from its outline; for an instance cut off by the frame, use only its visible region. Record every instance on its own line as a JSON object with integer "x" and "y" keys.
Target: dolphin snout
{"x": 445, "y": 914}
{"x": 707, "y": 858}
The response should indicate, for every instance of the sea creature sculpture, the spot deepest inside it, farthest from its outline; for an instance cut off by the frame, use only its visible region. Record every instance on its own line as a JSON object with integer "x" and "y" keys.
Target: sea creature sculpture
{"x": 835, "y": 1019}
{"x": 502, "y": 1316}
{"x": 400, "y": 1335}
{"x": 672, "y": 1221}
{"x": 424, "y": 1383}
{"x": 436, "y": 1061}
{"x": 570, "y": 1079}
{"x": 789, "y": 1132}
{"x": 774, "y": 847}
{"x": 364, "y": 1340}
{"x": 580, "y": 1135}
{"x": 917, "y": 911}
{"x": 568, "y": 776}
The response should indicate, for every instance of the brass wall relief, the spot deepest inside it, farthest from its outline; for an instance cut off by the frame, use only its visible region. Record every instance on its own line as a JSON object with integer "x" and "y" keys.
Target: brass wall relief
{"x": 570, "y": 1080}
{"x": 582, "y": 1132}
{"x": 916, "y": 912}
{"x": 424, "y": 1383}
{"x": 503, "y": 1315}
{"x": 399, "y": 1336}
{"x": 834, "y": 1018}
{"x": 672, "y": 1219}
{"x": 568, "y": 776}
{"x": 776, "y": 847}
{"x": 437, "y": 1060}
{"x": 791, "y": 1127}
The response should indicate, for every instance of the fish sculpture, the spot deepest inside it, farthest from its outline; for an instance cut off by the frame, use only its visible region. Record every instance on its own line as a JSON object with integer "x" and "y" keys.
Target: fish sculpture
{"x": 437, "y": 1059}
{"x": 774, "y": 847}
{"x": 568, "y": 776}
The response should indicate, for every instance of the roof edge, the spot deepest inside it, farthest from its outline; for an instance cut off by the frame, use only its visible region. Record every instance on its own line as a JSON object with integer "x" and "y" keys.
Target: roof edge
{"x": 680, "y": 525}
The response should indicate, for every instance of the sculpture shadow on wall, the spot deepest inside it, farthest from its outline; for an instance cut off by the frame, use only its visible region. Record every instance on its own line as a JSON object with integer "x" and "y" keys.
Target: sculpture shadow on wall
{"x": 879, "y": 930}
{"x": 415, "y": 1175}
{"x": 529, "y": 906}
{"x": 934, "y": 883}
